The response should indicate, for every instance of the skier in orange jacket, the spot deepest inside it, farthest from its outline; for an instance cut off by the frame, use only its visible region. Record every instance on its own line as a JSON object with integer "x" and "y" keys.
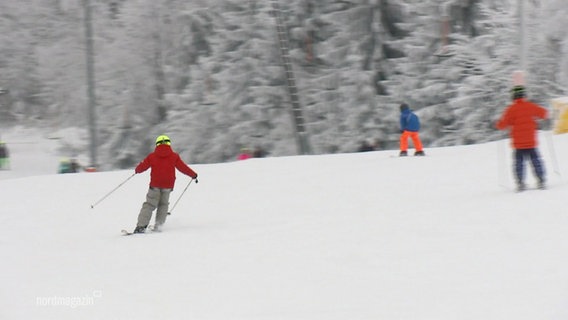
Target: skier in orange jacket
{"x": 520, "y": 116}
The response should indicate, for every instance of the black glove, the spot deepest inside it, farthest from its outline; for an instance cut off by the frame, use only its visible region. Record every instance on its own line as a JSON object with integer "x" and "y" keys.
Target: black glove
{"x": 196, "y": 181}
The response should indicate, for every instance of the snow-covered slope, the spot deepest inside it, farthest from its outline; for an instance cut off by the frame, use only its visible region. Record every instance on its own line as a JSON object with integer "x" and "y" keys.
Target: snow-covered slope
{"x": 350, "y": 236}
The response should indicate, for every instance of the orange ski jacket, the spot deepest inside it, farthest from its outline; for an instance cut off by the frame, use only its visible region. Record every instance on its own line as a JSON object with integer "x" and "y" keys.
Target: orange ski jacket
{"x": 521, "y": 117}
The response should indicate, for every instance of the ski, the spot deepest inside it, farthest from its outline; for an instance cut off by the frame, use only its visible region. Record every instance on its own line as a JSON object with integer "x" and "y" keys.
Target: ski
{"x": 150, "y": 229}
{"x": 527, "y": 188}
{"x": 126, "y": 232}
{"x": 408, "y": 156}
{"x": 531, "y": 189}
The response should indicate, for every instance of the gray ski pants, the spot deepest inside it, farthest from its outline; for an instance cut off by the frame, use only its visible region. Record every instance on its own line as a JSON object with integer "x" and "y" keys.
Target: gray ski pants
{"x": 156, "y": 198}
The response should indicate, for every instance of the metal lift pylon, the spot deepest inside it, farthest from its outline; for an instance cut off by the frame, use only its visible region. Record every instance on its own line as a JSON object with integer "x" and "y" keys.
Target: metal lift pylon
{"x": 301, "y": 134}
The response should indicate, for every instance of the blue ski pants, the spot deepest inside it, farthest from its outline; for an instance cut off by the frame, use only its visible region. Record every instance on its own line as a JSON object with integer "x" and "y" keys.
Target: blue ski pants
{"x": 534, "y": 157}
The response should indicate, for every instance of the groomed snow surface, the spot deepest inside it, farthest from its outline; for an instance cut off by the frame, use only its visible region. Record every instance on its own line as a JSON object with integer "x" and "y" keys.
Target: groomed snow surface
{"x": 348, "y": 236}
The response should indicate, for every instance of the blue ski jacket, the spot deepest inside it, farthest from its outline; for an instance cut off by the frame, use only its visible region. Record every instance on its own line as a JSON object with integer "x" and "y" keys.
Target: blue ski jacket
{"x": 409, "y": 121}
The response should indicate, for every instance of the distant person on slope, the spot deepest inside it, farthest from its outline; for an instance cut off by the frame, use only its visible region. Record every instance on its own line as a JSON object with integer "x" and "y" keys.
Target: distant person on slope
{"x": 520, "y": 117}
{"x": 409, "y": 126}
{"x": 4, "y": 156}
{"x": 365, "y": 146}
{"x": 75, "y": 166}
{"x": 64, "y": 166}
{"x": 245, "y": 154}
{"x": 163, "y": 163}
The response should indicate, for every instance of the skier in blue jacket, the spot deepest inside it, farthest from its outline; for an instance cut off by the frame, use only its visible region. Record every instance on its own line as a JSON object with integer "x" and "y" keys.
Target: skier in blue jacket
{"x": 409, "y": 126}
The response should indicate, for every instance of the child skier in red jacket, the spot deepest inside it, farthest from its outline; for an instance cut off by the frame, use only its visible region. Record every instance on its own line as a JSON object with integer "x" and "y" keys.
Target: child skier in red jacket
{"x": 163, "y": 163}
{"x": 521, "y": 117}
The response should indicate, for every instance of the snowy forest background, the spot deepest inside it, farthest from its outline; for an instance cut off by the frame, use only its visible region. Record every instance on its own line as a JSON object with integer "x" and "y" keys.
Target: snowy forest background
{"x": 209, "y": 72}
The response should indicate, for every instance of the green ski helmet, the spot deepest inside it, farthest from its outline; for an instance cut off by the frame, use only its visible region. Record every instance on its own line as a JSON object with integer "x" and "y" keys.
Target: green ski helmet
{"x": 163, "y": 139}
{"x": 518, "y": 92}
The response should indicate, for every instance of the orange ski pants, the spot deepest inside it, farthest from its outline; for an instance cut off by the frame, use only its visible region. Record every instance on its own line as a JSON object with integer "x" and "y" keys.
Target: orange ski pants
{"x": 415, "y": 139}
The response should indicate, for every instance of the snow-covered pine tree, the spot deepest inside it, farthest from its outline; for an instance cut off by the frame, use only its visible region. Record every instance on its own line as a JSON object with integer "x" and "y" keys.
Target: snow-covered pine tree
{"x": 339, "y": 55}
{"x": 485, "y": 63}
{"x": 209, "y": 70}
{"x": 422, "y": 78}
{"x": 235, "y": 95}
{"x": 548, "y": 65}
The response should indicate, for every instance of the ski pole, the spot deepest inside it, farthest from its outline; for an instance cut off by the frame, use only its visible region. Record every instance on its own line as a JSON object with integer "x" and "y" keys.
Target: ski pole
{"x": 552, "y": 152}
{"x": 501, "y": 162}
{"x": 175, "y": 204}
{"x": 113, "y": 190}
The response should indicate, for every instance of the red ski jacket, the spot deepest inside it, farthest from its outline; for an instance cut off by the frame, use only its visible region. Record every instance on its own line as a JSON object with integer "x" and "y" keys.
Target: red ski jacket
{"x": 521, "y": 116}
{"x": 163, "y": 162}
